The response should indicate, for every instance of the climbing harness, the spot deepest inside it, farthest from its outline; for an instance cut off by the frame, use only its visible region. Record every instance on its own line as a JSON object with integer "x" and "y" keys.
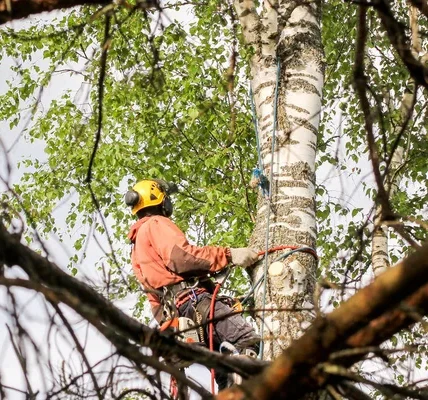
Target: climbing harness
{"x": 174, "y": 297}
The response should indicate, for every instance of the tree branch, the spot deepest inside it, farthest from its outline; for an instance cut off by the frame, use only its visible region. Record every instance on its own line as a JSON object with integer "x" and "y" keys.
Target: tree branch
{"x": 17, "y": 9}
{"x": 103, "y": 66}
{"x": 59, "y": 287}
{"x": 294, "y": 372}
{"x": 360, "y": 86}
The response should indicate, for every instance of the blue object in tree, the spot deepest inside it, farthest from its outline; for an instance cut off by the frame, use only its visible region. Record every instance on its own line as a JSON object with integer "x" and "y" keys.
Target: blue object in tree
{"x": 260, "y": 180}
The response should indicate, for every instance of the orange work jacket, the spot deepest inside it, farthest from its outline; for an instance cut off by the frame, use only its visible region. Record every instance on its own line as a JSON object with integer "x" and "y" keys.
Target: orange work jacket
{"x": 162, "y": 256}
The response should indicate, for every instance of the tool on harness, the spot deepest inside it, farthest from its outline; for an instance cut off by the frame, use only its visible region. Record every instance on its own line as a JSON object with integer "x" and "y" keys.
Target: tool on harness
{"x": 237, "y": 305}
{"x": 183, "y": 326}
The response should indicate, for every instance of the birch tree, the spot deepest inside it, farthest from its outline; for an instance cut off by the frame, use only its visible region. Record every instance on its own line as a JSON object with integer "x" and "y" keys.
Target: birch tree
{"x": 287, "y": 71}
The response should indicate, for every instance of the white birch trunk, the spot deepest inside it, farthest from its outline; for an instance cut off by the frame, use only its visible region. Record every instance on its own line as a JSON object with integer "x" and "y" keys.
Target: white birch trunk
{"x": 290, "y": 31}
{"x": 380, "y": 253}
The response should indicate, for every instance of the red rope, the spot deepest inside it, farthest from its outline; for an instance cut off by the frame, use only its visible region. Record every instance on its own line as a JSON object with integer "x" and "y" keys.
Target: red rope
{"x": 173, "y": 388}
{"x": 211, "y": 333}
{"x": 283, "y": 247}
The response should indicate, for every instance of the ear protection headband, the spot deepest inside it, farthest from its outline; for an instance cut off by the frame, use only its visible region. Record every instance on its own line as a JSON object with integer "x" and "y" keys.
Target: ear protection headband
{"x": 167, "y": 206}
{"x": 132, "y": 198}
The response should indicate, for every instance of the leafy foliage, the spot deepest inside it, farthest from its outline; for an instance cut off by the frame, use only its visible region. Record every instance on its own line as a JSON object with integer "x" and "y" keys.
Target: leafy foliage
{"x": 164, "y": 116}
{"x": 166, "y": 111}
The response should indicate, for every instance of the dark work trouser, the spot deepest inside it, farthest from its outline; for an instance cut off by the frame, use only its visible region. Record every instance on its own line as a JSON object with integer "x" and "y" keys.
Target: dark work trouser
{"x": 233, "y": 329}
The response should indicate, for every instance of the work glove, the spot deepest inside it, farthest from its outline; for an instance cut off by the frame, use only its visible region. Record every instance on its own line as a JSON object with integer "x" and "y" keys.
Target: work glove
{"x": 243, "y": 256}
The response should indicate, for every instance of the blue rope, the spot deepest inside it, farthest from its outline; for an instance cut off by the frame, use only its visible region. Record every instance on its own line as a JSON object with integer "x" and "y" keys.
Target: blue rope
{"x": 258, "y": 178}
{"x": 275, "y": 106}
{"x": 253, "y": 111}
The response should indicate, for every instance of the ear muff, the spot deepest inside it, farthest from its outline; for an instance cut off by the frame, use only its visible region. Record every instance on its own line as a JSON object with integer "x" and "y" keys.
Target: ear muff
{"x": 132, "y": 198}
{"x": 167, "y": 206}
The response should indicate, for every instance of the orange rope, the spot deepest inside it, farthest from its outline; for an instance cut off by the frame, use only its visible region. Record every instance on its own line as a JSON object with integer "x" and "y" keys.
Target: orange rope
{"x": 211, "y": 333}
{"x": 283, "y": 247}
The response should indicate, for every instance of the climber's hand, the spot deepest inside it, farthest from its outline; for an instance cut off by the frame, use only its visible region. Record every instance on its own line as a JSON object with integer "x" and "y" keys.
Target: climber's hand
{"x": 244, "y": 256}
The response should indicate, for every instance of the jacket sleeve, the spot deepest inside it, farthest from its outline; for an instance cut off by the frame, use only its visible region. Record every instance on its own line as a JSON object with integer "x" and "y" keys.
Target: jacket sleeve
{"x": 179, "y": 255}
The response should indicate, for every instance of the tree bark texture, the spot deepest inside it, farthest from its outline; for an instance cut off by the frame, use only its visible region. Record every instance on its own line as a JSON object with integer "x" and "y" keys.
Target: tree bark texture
{"x": 360, "y": 321}
{"x": 288, "y": 33}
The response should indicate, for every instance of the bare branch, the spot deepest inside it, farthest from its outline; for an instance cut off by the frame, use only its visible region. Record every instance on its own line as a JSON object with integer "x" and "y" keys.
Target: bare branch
{"x": 103, "y": 64}
{"x": 16, "y": 9}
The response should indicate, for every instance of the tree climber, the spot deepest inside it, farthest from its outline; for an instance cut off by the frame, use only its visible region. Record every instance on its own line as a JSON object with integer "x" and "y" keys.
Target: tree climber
{"x": 175, "y": 273}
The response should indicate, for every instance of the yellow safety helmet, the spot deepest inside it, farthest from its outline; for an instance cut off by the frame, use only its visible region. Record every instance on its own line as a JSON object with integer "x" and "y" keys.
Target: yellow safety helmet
{"x": 148, "y": 193}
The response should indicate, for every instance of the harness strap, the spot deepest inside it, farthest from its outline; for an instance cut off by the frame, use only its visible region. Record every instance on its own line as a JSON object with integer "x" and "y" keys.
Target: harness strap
{"x": 187, "y": 295}
{"x": 180, "y": 286}
{"x": 203, "y": 307}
